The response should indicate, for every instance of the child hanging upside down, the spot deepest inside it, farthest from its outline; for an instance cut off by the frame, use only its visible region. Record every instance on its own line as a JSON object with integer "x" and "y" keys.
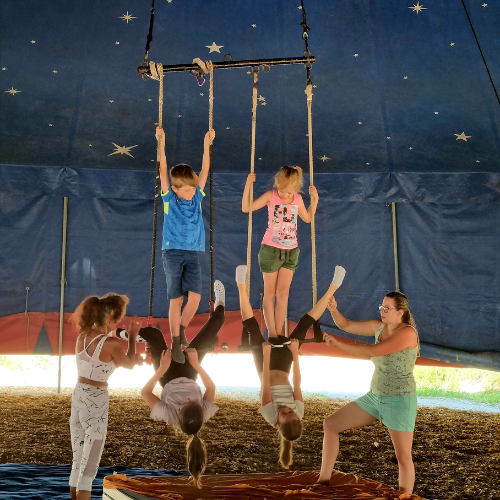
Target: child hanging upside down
{"x": 279, "y": 253}
{"x": 282, "y": 404}
{"x": 181, "y": 403}
{"x": 183, "y": 238}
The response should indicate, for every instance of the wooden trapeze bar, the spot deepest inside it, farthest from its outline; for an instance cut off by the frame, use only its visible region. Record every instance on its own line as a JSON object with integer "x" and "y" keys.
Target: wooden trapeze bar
{"x": 226, "y": 64}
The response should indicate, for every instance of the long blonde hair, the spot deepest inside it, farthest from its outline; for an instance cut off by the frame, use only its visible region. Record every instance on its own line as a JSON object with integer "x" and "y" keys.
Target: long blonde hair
{"x": 290, "y": 432}
{"x": 190, "y": 422}
{"x": 402, "y": 303}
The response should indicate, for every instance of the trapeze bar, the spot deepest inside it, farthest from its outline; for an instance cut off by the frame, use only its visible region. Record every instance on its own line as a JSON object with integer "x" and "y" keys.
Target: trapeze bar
{"x": 144, "y": 70}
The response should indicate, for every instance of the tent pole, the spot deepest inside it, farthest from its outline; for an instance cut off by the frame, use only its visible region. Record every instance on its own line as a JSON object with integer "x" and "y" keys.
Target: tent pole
{"x": 395, "y": 243}
{"x": 63, "y": 281}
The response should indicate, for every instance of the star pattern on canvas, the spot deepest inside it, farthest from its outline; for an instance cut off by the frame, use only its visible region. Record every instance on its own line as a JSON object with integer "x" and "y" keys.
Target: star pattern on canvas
{"x": 249, "y": 72}
{"x": 452, "y": 44}
{"x": 4, "y": 69}
{"x": 367, "y": 163}
{"x": 405, "y": 78}
{"x": 315, "y": 86}
{"x": 33, "y": 42}
{"x": 436, "y": 112}
{"x": 410, "y": 148}
{"x": 299, "y": 7}
{"x": 477, "y": 161}
{"x": 462, "y": 136}
{"x": 12, "y": 91}
{"x": 228, "y": 128}
{"x": 356, "y": 55}
{"x": 111, "y": 101}
{"x": 261, "y": 98}
{"x": 417, "y": 8}
{"x": 214, "y": 47}
{"x": 50, "y": 124}
{"x": 254, "y": 25}
{"x": 202, "y": 94}
{"x": 122, "y": 150}
{"x": 149, "y": 100}
{"x": 127, "y": 17}
{"x": 117, "y": 43}
{"x": 90, "y": 145}
{"x": 263, "y": 103}
{"x": 360, "y": 123}
{"x": 179, "y": 116}
{"x": 388, "y": 137}
{"x": 485, "y": 5}
{"x": 324, "y": 158}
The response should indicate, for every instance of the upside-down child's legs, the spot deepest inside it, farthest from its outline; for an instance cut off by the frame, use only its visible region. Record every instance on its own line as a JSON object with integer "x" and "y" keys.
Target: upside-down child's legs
{"x": 270, "y": 280}
{"x": 283, "y": 283}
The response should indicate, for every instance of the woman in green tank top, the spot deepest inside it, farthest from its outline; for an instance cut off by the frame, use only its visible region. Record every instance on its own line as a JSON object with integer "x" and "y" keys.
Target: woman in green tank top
{"x": 392, "y": 398}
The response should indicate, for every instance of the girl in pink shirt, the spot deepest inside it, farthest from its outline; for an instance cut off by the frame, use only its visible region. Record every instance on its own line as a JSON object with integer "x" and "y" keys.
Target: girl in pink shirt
{"x": 279, "y": 253}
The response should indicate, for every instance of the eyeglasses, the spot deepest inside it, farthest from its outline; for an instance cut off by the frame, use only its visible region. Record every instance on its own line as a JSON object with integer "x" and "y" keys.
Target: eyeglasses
{"x": 381, "y": 307}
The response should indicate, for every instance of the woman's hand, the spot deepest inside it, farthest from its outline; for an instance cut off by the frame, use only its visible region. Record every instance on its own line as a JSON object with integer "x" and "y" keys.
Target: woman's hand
{"x": 294, "y": 346}
{"x": 166, "y": 359}
{"x": 134, "y": 327}
{"x": 332, "y": 305}
{"x": 330, "y": 340}
{"x": 251, "y": 178}
{"x": 192, "y": 355}
{"x": 266, "y": 348}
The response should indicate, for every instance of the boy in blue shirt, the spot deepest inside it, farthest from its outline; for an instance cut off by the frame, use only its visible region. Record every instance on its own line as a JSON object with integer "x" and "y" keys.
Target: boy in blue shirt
{"x": 183, "y": 238}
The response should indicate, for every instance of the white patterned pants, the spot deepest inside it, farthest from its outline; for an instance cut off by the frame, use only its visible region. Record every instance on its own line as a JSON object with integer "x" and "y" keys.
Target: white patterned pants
{"x": 88, "y": 424}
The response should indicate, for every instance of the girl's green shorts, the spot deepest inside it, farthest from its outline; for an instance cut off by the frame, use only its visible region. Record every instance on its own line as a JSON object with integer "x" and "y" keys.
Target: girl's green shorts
{"x": 395, "y": 412}
{"x": 271, "y": 259}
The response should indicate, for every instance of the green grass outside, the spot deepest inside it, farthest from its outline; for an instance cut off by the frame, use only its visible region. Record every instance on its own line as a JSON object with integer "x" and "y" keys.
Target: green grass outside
{"x": 480, "y": 397}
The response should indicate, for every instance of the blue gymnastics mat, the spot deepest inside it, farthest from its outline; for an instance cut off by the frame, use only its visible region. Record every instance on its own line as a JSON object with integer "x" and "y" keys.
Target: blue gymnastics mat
{"x": 40, "y": 482}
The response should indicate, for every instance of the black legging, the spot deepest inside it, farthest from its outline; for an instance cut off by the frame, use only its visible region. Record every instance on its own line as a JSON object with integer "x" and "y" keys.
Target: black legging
{"x": 281, "y": 357}
{"x": 203, "y": 342}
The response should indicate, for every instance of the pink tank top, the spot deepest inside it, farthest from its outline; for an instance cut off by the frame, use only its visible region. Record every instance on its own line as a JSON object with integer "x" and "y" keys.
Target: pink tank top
{"x": 282, "y": 226}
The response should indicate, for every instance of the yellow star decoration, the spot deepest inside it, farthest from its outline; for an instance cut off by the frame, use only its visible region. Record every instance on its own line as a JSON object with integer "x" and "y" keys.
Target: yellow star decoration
{"x": 202, "y": 94}
{"x": 117, "y": 43}
{"x": 356, "y": 55}
{"x": 50, "y": 124}
{"x": 263, "y": 103}
{"x": 90, "y": 145}
{"x": 33, "y": 42}
{"x": 324, "y": 158}
{"x": 485, "y": 5}
{"x": 254, "y": 25}
{"x": 111, "y": 101}
{"x": 4, "y": 69}
{"x": 360, "y": 123}
{"x": 228, "y": 128}
{"x": 261, "y": 98}
{"x": 462, "y": 136}
{"x": 405, "y": 78}
{"x": 214, "y": 47}
{"x": 127, "y": 17}
{"x": 12, "y": 91}
{"x": 388, "y": 137}
{"x": 149, "y": 100}
{"x": 452, "y": 44}
{"x": 436, "y": 112}
{"x": 410, "y": 147}
{"x": 315, "y": 86}
{"x": 179, "y": 116}
{"x": 477, "y": 161}
{"x": 417, "y": 8}
{"x": 367, "y": 163}
{"x": 122, "y": 150}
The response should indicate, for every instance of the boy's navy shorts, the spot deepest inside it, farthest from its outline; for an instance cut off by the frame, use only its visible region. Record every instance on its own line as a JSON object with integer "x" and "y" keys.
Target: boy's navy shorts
{"x": 183, "y": 272}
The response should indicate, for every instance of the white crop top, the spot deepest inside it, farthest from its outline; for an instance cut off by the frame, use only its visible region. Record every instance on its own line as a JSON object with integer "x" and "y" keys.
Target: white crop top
{"x": 92, "y": 367}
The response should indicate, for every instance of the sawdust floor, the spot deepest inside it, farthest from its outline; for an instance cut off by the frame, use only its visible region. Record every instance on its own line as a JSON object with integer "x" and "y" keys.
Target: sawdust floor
{"x": 456, "y": 453}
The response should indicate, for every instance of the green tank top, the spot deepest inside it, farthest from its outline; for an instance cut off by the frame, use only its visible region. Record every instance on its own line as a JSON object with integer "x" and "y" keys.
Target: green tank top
{"x": 393, "y": 374}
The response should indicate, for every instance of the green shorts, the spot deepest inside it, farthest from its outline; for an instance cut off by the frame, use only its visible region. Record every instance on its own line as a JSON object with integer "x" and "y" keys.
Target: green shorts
{"x": 271, "y": 259}
{"x": 395, "y": 412}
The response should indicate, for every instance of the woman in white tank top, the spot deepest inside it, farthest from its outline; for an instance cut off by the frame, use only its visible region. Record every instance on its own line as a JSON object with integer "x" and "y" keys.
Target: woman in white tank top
{"x": 97, "y": 356}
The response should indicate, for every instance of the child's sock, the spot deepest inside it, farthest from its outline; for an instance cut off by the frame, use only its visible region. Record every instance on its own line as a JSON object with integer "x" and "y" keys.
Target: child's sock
{"x": 241, "y": 274}
{"x": 219, "y": 292}
{"x": 177, "y": 352}
{"x": 182, "y": 335}
{"x": 339, "y": 275}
